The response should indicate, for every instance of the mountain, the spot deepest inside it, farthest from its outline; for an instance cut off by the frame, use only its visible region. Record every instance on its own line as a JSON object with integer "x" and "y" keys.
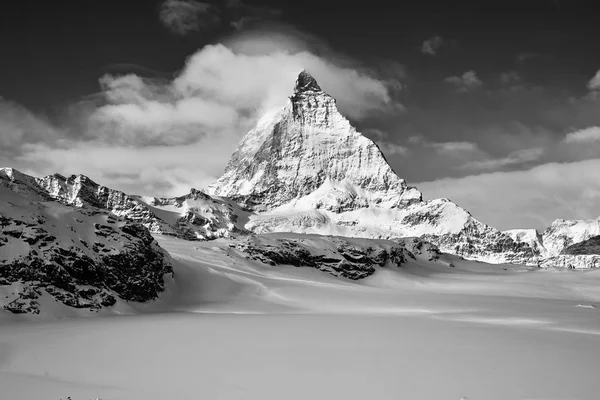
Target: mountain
{"x": 309, "y": 146}
{"x": 564, "y": 233}
{"x": 305, "y": 169}
{"x": 194, "y": 216}
{"x": 81, "y": 257}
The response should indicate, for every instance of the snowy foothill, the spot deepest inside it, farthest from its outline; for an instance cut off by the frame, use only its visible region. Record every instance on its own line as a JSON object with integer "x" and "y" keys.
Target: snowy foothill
{"x": 228, "y": 327}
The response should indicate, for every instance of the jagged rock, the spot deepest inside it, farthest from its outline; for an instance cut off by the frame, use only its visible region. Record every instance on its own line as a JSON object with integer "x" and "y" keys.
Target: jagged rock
{"x": 341, "y": 257}
{"x": 45, "y": 249}
{"x": 195, "y": 216}
{"x": 309, "y": 146}
{"x": 590, "y": 246}
{"x": 572, "y": 261}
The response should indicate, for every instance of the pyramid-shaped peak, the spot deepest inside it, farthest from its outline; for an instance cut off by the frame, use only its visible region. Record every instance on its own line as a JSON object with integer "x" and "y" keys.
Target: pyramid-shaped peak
{"x": 305, "y": 82}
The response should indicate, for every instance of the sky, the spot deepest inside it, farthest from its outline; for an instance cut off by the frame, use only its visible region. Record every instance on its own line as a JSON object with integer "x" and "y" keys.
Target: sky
{"x": 495, "y": 105}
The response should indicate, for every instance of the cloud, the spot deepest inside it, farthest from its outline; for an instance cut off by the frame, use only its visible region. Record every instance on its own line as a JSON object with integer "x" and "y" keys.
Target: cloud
{"x": 531, "y": 198}
{"x": 465, "y": 82}
{"x": 244, "y": 15}
{"x": 432, "y": 45}
{"x": 392, "y": 149}
{"x": 525, "y": 56}
{"x": 514, "y": 158}
{"x": 507, "y": 78}
{"x": 455, "y": 147}
{"x": 18, "y": 125}
{"x": 443, "y": 147}
{"x": 591, "y": 134}
{"x": 184, "y": 16}
{"x": 594, "y": 83}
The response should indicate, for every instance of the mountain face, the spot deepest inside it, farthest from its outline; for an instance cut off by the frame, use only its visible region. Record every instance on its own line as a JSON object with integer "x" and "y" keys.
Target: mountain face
{"x": 305, "y": 169}
{"x": 195, "y": 216}
{"x": 309, "y": 146}
{"x": 81, "y": 257}
{"x": 564, "y": 233}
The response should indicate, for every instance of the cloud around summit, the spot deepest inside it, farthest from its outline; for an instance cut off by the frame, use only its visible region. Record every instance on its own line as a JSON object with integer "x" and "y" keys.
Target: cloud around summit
{"x": 161, "y": 137}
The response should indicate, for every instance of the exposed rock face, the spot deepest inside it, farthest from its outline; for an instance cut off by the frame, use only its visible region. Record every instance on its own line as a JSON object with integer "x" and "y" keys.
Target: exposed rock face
{"x": 582, "y": 255}
{"x": 341, "y": 257}
{"x": 530, "y": 237}
{"x": 195, "y": 216}
{"x": 306, "y": 169}
{"x": 587, "y": 247}
{"x": 571, "y": 261}
{"x": 307, "y": 146}
{"x": 82, "y": 257}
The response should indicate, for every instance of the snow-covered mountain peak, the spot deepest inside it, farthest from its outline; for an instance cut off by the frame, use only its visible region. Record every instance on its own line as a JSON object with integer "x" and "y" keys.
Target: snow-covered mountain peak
{"x": 306, "y": 83}
{"x": 308, "y": 147}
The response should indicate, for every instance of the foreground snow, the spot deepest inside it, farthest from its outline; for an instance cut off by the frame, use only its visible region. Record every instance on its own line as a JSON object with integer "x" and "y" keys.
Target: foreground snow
{"x": 227, "y": 328}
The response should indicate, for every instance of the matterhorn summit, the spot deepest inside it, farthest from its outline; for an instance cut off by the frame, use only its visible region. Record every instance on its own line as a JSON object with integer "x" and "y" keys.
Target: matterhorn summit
{"x": 307, "y": 147}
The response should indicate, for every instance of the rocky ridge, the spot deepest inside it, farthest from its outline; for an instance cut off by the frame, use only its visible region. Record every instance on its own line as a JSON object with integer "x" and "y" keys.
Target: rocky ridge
{"x": 195, "y": 216}
{"x": 81, "y": 257}
{"x": 349, "y": 258}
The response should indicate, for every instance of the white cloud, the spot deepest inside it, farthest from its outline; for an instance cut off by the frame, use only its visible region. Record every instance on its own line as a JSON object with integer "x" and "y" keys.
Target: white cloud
{"x": 510, "y": 77}
{"x": 185, "y": 16}
{"x": 594, "y": 83}
{"x": 465, "y": 82}
{"x": 18, "y": 126}
{"x": 587, "y": 135}
{"x": 392, "y": 149}
{"x": 520, "y": 199}
{"x": 455, "y": 147}
{"x": 514, "y": 158}
{"x": 432, "y": 45}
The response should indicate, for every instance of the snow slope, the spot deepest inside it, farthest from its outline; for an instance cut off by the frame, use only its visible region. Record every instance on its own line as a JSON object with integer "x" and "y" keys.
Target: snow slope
{"x": 228, "y": 327}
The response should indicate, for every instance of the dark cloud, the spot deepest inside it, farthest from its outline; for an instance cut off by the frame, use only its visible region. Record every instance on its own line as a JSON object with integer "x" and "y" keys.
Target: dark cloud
{"x": 465, "y": 82}
{"x": 432, "y": 45}
{"x": 526, "y": 56}
{"x": 510, "y": 77}
{"x": 185, "y": 16}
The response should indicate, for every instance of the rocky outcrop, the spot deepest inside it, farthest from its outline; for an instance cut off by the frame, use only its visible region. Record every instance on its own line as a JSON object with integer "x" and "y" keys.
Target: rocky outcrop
{"x": 567, "y": 261}
{"x": 81, "y": 257}
{"x": 341, "y": 257}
